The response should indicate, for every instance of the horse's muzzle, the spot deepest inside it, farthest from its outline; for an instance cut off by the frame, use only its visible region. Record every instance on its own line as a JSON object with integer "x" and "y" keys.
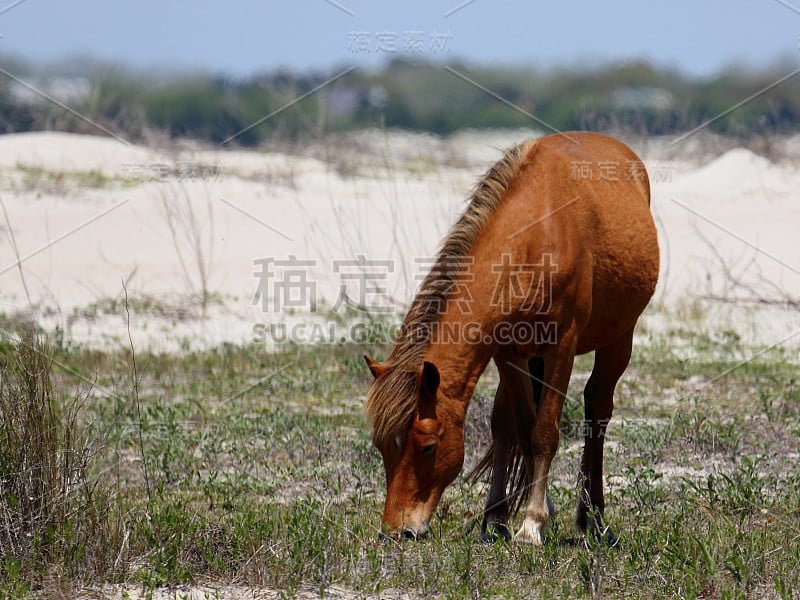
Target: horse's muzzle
{"x": 409, "y": 533}
{"x": 405, "y": 533}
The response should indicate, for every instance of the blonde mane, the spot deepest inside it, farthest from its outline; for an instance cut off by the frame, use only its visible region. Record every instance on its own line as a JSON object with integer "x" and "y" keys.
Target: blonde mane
{"x": 392, "y": 400}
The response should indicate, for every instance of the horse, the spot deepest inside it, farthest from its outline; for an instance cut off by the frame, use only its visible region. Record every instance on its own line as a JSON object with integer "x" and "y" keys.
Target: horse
{"x": 556, "y": 255}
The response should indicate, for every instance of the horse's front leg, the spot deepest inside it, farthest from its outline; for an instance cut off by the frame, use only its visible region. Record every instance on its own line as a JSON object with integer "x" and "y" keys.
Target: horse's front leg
{"x": 544, "y": 439}
{"x": 495, "y": 515}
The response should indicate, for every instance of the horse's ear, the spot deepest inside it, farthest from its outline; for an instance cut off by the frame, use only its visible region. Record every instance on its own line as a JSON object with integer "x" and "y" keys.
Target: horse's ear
{"x": 374, "y": 367}
{"x": 428, "y": 381}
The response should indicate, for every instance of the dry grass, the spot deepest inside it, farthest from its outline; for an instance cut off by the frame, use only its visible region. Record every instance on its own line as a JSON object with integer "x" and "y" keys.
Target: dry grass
{"x": 55, "y": 521}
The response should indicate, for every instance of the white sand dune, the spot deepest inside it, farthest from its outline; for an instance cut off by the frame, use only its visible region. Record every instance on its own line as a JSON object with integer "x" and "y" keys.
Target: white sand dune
{"x": 164, "y": 222}
{"x": 68, "y": 152}
{"x": 739, "y": 212}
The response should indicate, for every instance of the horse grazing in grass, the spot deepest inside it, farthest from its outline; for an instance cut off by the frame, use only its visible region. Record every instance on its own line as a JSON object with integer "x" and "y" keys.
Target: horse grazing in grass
{"x": 555, "y": 255}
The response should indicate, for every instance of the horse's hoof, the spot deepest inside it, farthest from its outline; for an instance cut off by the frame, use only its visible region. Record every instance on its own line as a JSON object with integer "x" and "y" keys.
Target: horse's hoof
{"x": 530, "y": 533}
{"x": 610, "y": 538}
{"x": 604, "y": 535}
{"x": 494, "y": 532}
{"x": 526, "y": 537}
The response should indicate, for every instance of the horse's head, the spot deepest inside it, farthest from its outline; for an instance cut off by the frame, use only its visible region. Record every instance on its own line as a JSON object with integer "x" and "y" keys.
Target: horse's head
{"x": 422, "y": 444}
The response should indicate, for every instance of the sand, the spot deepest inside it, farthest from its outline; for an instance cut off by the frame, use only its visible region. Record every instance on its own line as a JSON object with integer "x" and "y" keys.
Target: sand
{"x": 89, "y": 213}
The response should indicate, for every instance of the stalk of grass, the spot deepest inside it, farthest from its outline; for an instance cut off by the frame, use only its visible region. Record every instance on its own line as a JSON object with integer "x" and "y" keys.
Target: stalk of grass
{"x": 135, "y": 389}
{"x": 192, "y": 232}
{"x": 16, "y": 252}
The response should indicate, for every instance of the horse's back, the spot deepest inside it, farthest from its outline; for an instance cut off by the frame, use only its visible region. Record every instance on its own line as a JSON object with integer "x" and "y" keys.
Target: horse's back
{"x": 594, "y": 165}
{"x": 598, "y": 192}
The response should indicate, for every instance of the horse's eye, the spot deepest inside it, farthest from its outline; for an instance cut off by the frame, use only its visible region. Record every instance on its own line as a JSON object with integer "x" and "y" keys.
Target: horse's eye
{"x": 428, "y": 448}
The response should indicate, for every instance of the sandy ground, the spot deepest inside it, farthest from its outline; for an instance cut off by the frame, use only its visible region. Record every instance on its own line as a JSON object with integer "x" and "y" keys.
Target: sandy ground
{"x": 89, "y": 213}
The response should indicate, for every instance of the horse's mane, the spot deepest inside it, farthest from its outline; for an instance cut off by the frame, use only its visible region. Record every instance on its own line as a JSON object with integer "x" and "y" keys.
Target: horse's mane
{"x": 392, "y": 400}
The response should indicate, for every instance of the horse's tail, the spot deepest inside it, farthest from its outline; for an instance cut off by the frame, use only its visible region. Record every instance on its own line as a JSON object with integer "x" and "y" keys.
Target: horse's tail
{"x": 519, "y": 466}
{"x": 519, "y": 475}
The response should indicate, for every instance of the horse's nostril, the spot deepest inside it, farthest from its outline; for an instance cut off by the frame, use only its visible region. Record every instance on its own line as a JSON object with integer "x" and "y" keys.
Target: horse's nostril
{"x": 405, "y": 533}
{"x": 409, "y": 533}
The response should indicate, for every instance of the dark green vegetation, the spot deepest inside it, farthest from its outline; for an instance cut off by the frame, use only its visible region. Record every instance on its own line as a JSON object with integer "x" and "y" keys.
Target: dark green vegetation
{"x": 241, "y": 465}
{"x": 636, "y": 98}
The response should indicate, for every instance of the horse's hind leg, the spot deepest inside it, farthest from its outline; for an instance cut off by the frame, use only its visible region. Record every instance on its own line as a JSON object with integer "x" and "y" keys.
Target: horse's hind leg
{"x": 609, "y": 364}
{"x": 536, "y": 370}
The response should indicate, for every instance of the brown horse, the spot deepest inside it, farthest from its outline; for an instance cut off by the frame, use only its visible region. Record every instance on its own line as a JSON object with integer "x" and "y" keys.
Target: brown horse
{"x": 555, "y": 255}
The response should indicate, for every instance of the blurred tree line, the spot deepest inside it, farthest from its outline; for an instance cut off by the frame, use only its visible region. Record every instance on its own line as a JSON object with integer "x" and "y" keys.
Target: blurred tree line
{"x": 634, "y": 97}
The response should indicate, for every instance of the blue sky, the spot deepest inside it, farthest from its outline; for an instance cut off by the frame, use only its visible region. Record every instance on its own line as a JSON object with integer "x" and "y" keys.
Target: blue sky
{"x": 246, "y": 36}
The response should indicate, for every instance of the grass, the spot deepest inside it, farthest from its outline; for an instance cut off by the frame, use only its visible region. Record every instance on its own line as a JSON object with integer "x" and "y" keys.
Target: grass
{"x": 189, "y": 306}
{"x": 43, "y": 181}
{"x": 54, "y": 514}
{"x": 261, "y": 473}
{"x": 59, "y": 182}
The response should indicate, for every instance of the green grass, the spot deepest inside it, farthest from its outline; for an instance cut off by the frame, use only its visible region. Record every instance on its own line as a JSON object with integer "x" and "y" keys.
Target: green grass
{"x": 32, "y": 178}
{"x": 59, "y": 182}
{"x": 237, "y": 465}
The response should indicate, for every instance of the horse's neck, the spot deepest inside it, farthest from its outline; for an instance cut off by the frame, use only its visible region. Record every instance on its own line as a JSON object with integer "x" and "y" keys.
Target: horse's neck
{"x": 458, "y": 356}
